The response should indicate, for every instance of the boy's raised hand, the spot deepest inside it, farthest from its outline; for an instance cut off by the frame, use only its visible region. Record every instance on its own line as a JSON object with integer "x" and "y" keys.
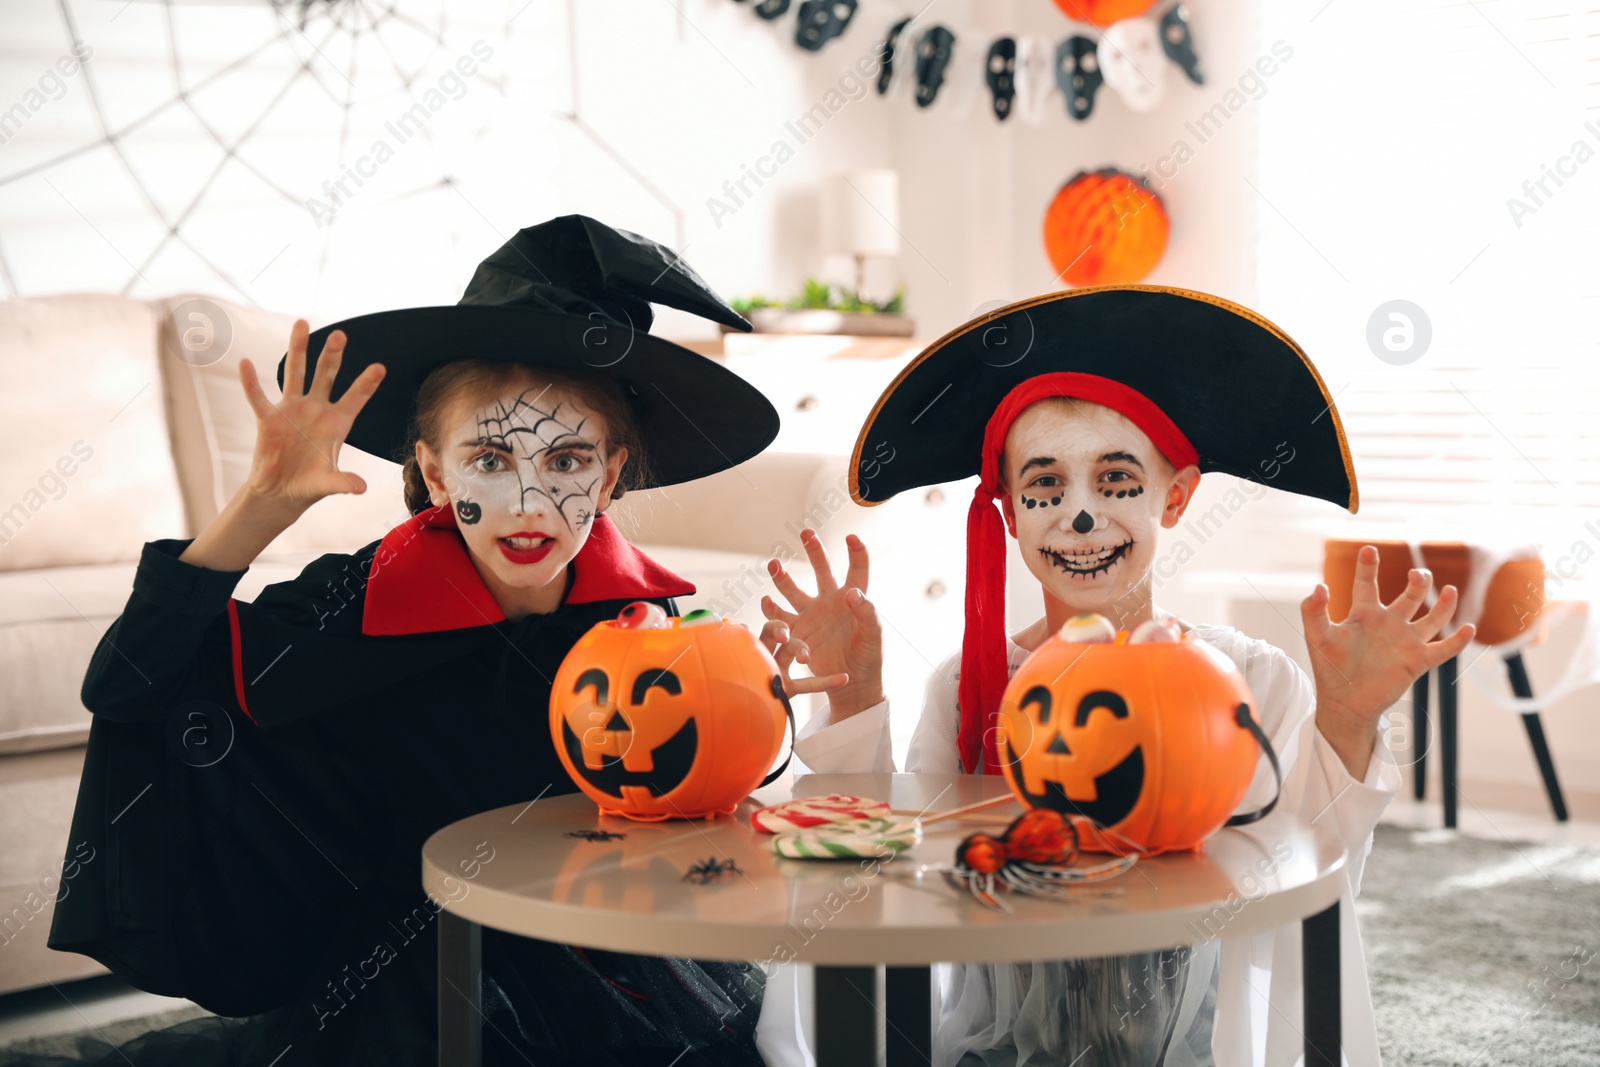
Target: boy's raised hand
{"x": 835, "y": 632}
{"x": 297, "y": 439}
{"x": 1367, "y": 662}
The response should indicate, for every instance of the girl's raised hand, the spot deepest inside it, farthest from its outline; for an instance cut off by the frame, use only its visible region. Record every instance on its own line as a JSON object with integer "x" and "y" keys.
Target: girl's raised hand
{"x": 296, "y": 460}
{"x": 835, "y": 632}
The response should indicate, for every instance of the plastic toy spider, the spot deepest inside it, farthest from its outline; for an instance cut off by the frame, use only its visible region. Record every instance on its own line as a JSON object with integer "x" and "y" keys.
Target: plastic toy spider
{"x": 703, "y": 871}
{"x": 596, "y": 835}
{"x": 1034, "y": 855}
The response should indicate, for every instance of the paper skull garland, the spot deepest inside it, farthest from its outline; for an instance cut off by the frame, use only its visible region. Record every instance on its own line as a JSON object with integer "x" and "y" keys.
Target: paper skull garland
{"x": 1078, "y": 75}
{"x": 1150, "y": 745}
{"x": 1034, "y": 79}
{"x": 1178, "y": 43}
{"x": 1133, "y": 62}
{"x": 889, "y": 49}
{"x": 1103, "y": 12}
{"x": 935, "y": 48}
{"x": 681, "y": 720}
{"x": 999, "y": 73}
{"x": 1105, "y": 228}
{"x": 820, "y": 21}
{"x": 1127, "y": 57}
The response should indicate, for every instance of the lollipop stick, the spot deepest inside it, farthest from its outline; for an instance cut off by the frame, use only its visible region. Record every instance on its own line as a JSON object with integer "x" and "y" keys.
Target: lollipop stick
{"x": 962, "y": 812}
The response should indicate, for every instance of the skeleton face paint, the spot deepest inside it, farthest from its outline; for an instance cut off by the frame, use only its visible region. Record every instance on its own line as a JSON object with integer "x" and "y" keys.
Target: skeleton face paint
{"x": 526, "y": 474}
{"x": 1086, "y": 491}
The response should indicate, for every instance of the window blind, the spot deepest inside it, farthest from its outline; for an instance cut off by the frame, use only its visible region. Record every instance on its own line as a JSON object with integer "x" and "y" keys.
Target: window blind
{"x": 1447, "y": 155}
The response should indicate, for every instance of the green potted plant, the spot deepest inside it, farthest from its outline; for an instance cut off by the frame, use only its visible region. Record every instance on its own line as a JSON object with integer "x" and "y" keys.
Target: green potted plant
{"x": 824, "y": 308}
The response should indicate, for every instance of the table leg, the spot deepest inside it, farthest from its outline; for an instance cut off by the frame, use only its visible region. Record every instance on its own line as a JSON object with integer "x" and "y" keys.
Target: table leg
{"x": 1419, "y": 735}
{"x": 908, "y": 1009}
{"x": 847, "y": 1016}
{"x": 1320, "y": 986}
{"x": 1447, "y": 738}
{"x": 460, "y": 992}
{"x": 1541, "y": 751}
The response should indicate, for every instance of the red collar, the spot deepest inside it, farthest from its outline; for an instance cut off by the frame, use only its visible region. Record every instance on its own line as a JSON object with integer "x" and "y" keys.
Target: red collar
{"x": 423, "y": 580}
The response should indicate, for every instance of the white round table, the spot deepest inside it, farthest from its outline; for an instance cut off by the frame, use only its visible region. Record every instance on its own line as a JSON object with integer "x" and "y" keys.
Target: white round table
{"x": 530, "y": 870}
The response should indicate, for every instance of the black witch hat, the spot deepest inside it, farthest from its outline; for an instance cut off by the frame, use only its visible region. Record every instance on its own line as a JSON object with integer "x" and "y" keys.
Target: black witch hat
{"x": 570, "y": 293}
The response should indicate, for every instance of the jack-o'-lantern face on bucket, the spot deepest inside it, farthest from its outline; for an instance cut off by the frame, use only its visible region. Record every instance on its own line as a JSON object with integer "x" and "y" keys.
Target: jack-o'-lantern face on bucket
{"x": 1143, "y": 739}
{"x": 658, "y": 718}
{"x": 1073, "y": 785}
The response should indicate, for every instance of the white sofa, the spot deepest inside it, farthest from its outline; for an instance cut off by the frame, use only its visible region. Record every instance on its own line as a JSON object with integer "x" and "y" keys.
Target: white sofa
{"x": 113, "y": 432}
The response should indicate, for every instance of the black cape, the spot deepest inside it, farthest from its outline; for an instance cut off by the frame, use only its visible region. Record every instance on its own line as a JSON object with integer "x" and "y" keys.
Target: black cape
{"x": 259, "y": 781}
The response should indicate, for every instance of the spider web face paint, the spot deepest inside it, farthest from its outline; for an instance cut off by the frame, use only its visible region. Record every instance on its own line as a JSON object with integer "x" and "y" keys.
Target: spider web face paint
{"x": 555, "y": 461}
{"x": 525, "y": 474}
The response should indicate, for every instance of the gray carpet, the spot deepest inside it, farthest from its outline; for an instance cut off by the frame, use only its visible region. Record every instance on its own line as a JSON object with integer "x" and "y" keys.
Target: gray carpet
{"x": 1482, "y": 953}
{"x": 1479, "y": 953}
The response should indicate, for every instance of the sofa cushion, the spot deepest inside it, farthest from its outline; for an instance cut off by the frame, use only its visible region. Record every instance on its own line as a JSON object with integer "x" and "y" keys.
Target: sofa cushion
{"x": 50, "y": 622}
{"x": 86, "y": 472}
{"x": 214, "y": 428}
{"x": 52, "y": 619}
{"x": 38, "y": 865}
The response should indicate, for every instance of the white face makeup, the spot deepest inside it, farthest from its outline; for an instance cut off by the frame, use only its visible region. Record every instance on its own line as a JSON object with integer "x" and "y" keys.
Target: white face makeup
{"x": 1086, "y": 492}
{"x": 525, "y": 474}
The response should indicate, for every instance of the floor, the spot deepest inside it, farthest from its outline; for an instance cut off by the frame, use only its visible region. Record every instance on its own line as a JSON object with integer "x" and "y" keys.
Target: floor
{"x": 97, "y": 1001}
{"x": 89, "y": 1002}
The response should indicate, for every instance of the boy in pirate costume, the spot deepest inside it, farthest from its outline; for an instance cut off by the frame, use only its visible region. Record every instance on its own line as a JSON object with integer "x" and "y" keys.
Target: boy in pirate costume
{"x": 1089, "y": 417}
{"x": 388, "y": 692}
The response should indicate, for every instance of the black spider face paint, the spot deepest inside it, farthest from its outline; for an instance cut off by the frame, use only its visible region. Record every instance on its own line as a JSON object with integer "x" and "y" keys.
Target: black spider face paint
{"x": 468, "y": 512}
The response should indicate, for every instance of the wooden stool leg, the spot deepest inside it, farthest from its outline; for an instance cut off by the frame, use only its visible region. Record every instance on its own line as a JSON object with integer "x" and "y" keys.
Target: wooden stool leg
{"x": 1541, "y": 751}
{"x": 1419, "y": 735}
{"x": 1447, "y": 738}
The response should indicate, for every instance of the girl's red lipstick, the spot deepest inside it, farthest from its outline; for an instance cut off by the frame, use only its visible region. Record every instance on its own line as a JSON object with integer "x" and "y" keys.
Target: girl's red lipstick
{"x": 527, "y": 555}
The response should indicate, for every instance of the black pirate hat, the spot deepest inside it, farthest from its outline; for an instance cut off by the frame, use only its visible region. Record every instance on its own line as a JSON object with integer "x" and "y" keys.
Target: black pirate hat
{"x": 568, "y": 293}
{"x": 1233, "y": 383}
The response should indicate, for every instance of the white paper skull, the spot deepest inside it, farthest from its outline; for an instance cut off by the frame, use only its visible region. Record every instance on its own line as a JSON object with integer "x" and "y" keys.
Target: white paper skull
{"x": 1133, "y": 62}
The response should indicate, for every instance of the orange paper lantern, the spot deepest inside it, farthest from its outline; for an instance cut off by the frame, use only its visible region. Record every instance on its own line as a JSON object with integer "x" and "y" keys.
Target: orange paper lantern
{"x": 674, "y": 718}
{"x": 1105, "y": 228}
{"x": 1142, "y": 743}
{"x": 1103, "y": 12}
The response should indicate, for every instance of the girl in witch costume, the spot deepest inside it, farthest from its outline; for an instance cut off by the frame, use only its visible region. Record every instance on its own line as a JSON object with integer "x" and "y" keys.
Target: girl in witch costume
{"x": 1088, "y": 417}
{"x": 261, "y": 777}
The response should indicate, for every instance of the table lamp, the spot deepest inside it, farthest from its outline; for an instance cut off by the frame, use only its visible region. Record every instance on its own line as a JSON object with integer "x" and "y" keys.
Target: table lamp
{"x": 861, "y": 217}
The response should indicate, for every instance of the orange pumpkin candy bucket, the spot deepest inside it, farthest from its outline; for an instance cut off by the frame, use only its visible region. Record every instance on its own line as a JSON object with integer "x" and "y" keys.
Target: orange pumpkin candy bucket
{"x": 1149, "y": 745}
{"x": 668, "y": 718}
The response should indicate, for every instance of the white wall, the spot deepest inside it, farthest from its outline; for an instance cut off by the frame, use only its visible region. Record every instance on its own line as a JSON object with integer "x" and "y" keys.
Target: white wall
{"x": 670, "y": 102}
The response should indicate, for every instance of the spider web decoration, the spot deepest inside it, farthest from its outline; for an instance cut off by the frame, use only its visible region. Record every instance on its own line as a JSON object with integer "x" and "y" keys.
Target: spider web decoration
{"x": 292, "y": 153}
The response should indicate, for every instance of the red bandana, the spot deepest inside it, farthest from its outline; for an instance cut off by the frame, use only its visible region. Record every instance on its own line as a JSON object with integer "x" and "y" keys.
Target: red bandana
{"x": 423, "y": 579}
{"x": 984, "y": 671}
